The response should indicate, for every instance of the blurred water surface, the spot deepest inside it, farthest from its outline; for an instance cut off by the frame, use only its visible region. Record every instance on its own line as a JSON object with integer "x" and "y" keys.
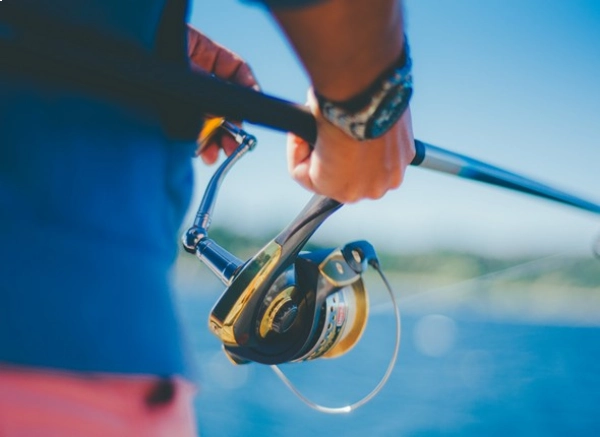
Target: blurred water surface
{"x": 506, "y": 352}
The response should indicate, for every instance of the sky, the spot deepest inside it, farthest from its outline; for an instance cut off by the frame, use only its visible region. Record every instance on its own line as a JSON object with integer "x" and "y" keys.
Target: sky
{"x": 515, "y": 83}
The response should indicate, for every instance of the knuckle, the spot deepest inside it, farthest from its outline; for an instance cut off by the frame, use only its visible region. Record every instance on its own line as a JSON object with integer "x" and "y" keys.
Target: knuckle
{"x": 377, "y": 192}
{"x": 397, "y": 179}
{"x": 412, "y": 152}
{"x": 344, "y": 194}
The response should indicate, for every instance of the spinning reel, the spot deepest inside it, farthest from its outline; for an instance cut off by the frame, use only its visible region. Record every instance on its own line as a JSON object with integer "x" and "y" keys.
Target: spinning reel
{"x": 283, "y": 305}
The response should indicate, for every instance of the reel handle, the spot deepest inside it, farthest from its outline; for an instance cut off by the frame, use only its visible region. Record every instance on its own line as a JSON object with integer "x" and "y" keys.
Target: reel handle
{"x": 195, "y": 241}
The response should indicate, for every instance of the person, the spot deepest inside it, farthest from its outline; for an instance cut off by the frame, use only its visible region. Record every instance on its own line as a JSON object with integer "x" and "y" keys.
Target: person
{"x": 93, "y": 191}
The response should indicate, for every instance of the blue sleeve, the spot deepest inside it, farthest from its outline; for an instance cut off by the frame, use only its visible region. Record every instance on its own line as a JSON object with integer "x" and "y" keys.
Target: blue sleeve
{"x": 275, "y": 4}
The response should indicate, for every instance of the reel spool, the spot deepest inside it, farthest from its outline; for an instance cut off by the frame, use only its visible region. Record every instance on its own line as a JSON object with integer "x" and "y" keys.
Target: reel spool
{"x": 284, "y": 305}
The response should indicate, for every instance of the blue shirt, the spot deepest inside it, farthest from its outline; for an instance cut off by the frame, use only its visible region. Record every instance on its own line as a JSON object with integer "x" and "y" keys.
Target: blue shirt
{"x": 92, "y": 195}
{"x": 91, "y": 199}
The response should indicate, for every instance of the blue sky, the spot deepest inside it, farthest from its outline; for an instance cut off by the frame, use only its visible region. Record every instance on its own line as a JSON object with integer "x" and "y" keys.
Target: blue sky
{"x": 514, "y": 83}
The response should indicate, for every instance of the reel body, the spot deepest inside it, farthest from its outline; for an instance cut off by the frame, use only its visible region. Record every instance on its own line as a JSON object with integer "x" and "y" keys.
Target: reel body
{"x": 315, "y": 307}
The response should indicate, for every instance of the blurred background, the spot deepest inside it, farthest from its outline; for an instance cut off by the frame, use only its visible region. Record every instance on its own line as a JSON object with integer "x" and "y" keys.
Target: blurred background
{"x": 500, "y": 292}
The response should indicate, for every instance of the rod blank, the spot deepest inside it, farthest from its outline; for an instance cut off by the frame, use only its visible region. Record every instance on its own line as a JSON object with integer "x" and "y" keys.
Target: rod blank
{"x": 445, "y": 161}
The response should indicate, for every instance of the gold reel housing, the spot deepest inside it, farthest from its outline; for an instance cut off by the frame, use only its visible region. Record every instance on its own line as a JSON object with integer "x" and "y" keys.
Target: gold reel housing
{"x": 343, "y": 314}
{"x": 345, "y": 319}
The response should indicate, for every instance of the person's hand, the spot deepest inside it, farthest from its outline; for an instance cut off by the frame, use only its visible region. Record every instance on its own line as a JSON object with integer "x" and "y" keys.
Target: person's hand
{"x": 207, "y": 56}
{"x": 348, "y": 170}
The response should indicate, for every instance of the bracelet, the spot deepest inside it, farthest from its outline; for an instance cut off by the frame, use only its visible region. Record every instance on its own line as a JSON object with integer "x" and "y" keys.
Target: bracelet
{"x": 374, "y": 111}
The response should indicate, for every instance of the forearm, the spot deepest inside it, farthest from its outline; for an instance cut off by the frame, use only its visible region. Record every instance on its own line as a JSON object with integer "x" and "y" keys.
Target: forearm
{"x": 345, "y": 44}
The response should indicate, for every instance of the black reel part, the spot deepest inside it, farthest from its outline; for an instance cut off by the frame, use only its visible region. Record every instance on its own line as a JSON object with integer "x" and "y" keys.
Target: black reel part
{"x": 280, "y": 324}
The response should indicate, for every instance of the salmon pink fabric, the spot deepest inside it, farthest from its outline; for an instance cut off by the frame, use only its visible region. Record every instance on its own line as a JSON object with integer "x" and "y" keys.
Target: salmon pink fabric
{"x": 52, "y": 404}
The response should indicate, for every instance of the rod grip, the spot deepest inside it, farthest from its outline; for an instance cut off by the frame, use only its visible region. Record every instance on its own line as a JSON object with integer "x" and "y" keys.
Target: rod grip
{"x": 282, "y": 115}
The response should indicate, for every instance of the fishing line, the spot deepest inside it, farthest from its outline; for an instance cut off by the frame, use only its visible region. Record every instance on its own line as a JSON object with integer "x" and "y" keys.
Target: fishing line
{"x": 596, "y": 247}
{"x": 349, "y": 408}
{"x": 513, "y": 271}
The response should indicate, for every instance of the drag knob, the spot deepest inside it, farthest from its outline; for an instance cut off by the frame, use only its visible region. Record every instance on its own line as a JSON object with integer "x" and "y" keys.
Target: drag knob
{"x": 280, "y": 314}
{"x": 284, "y": 317}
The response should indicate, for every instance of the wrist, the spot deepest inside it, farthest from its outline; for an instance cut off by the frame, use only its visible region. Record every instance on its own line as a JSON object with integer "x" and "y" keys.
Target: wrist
{"x": 372, "y": 112}
{"x": 361, "y": 99}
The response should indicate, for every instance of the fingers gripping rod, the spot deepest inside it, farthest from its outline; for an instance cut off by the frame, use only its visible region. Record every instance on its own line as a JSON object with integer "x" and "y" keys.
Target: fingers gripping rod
{"x": 444, "y": 161}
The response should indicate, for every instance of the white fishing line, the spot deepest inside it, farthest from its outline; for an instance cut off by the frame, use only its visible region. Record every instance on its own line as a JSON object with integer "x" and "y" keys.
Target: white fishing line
{"x": 549, "y": 262}
{"x": 349, "y": 408}
{"x": 596, "y": 247}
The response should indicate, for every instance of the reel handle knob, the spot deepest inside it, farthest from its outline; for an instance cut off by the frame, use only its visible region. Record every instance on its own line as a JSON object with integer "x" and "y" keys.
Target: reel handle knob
{"x": 284, "y": 318}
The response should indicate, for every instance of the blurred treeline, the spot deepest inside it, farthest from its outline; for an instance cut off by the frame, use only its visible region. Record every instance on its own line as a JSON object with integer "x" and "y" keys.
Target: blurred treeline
{"x": 556, "y": 270}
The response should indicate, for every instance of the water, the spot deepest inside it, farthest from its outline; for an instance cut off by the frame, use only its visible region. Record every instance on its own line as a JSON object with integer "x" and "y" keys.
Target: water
{"x": 458, "y": 373}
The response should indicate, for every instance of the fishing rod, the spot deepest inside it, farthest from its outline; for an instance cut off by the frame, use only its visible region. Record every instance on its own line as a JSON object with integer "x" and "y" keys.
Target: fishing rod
{"x": 435, "y": 158}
